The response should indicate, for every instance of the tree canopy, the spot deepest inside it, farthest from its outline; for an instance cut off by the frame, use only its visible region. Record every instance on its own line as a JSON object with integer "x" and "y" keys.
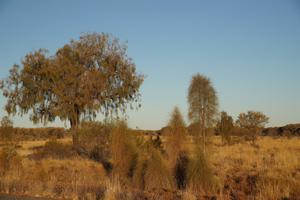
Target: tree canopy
{"x": 203, "y": 101}
{"x": 86, "y": 76}
{"x": 252, "y": 119}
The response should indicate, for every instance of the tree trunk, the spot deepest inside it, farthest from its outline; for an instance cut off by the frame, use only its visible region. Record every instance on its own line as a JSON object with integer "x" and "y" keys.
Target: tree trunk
{"x": 202, "y": 129}
{"x": 74, "y": 123}
{"x": 204, "y": 132}
{"x": 204, "y": 142}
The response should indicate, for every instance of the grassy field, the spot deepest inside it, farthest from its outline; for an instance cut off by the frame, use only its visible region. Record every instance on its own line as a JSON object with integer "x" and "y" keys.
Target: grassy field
{"x": 270, "y": 169}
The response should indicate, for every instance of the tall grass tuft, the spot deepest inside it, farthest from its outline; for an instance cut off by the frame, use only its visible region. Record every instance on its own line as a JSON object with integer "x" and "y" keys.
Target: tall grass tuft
{"x": 123, "y": 152}
{"x": 151, "y": 171}
{"x": 176, "y": 136}
{"x": 138, "y": 179}
{"x": 200, "y": 174}
{"x": 11, "y": 167}
{"x": 157, "y": 174}
{"x": 176, "y": 149}
{"x": 181, "y": 169}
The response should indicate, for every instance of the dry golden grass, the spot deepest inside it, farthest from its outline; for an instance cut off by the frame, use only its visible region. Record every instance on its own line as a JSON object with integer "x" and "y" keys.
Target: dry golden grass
{"x": 69, "y": 178}
{"x": 28, "y": 147}
{"x": 269, "y": 170}
{"x": 281, "y": 153}
{"x": 273, "y": 165}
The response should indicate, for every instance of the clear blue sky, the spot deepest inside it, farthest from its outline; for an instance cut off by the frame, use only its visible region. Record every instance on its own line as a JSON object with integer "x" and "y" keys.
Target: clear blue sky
{"x": 249, "y": 49}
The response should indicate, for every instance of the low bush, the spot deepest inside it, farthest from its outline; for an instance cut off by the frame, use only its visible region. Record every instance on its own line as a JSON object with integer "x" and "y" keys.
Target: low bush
{"x": 9, "y": 159}
{"x": 54, "y": 149}
{"x": 238, "y": 131}
{"x": 94, "y": 138}
{"x": 24, "y": 134}
{"x": 98, "y": 154}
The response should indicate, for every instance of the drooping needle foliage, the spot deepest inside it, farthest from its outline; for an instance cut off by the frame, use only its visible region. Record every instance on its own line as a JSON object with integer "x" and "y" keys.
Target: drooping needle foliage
{"x": 86, "y": 76}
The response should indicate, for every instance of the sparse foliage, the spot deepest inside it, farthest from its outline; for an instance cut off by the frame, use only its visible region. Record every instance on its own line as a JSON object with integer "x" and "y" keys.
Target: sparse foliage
{"x": 252, "y": 121}
{"x": 176, "y": 136}
{"x": 203, "y": 103}
{"x": 84, "y": 77}
{"x": 225, "y": 126}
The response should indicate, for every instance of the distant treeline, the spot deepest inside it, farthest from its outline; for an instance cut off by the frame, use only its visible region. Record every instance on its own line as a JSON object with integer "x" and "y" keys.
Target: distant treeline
{"x": 57, "y": 132}
{"x": 37, "y": 133}
{"x": 287, "y": 130}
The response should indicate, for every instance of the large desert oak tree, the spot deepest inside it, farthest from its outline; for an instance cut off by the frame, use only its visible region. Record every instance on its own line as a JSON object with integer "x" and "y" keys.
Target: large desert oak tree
{"x": 83, "y": 78}
{"x": 203, "y": 103}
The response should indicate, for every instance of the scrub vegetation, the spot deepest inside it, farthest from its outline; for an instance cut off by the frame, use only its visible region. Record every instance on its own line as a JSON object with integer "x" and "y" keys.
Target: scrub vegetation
{"x": 210, "y": 157}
